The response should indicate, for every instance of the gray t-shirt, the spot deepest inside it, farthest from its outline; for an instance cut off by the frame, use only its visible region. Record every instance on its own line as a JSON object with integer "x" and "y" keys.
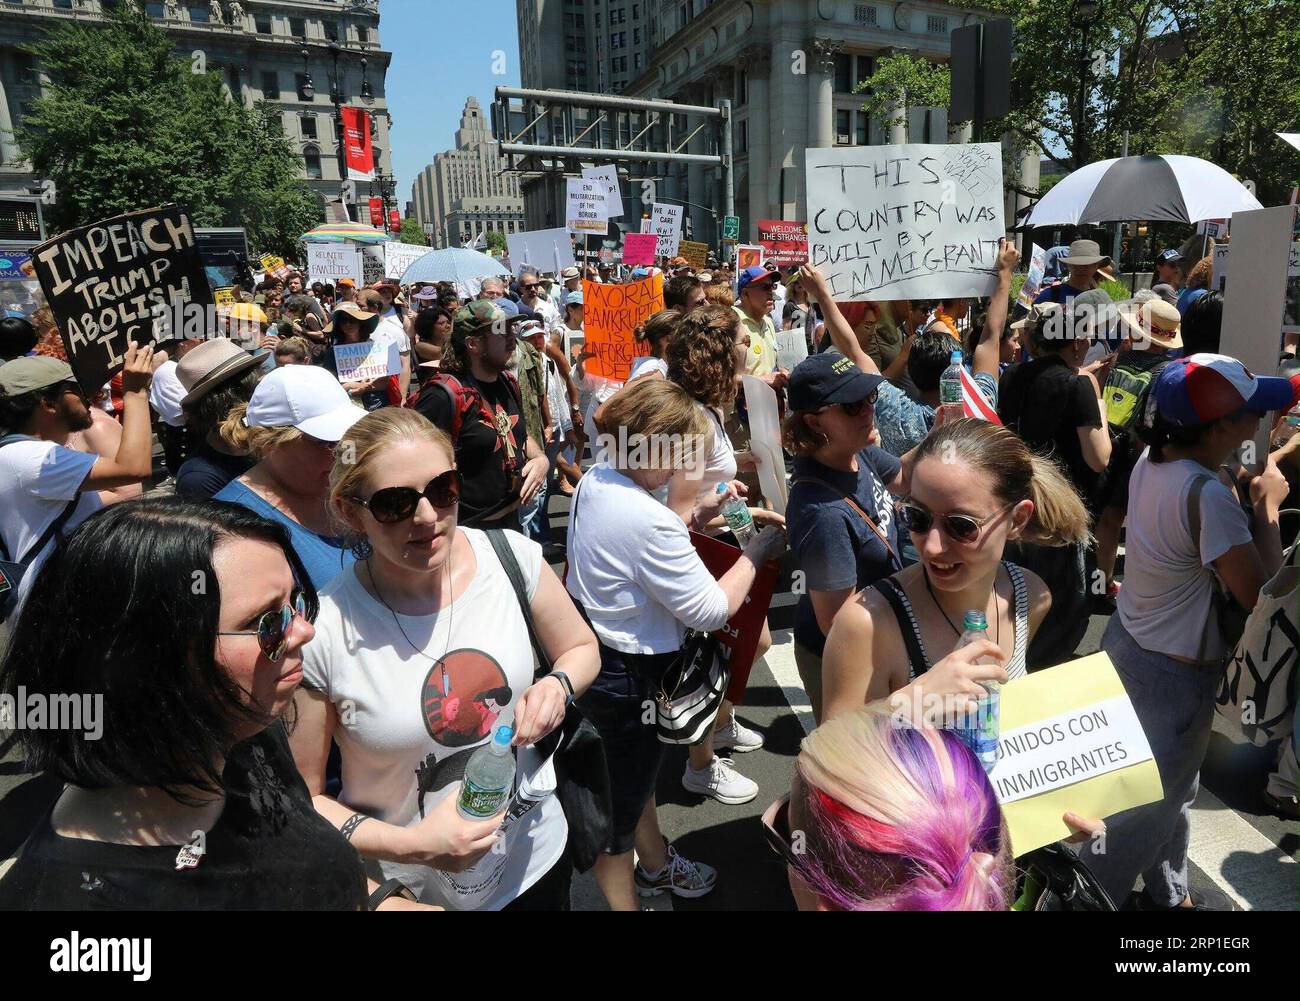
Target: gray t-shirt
{"x": 1166, "y": 597}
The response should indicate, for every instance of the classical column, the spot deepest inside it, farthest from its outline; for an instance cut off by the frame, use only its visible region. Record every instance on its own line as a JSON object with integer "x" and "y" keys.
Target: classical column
{"x": 8, "y": 148}
{"x": 821, "y": 91}
{"x": 757, "y": 63}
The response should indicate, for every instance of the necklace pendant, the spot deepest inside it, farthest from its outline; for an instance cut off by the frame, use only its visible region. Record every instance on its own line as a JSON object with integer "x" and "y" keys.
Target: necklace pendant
{"x": 188, "y": 857}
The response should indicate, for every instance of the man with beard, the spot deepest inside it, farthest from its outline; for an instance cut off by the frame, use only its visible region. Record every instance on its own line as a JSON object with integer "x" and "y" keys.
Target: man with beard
{"x": 46, "y": 488}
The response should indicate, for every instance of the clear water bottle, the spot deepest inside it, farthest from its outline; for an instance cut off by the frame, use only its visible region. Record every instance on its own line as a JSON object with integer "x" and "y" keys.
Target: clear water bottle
{"x": 980, "y": 728}
{"x": 950, "y": 390}
{"x": 738, "y": 518}
{"x": 489, "y": 777}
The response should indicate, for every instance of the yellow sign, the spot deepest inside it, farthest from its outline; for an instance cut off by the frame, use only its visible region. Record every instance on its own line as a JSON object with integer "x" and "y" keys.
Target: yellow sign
{"x": 270, "y": 262}
{"x": 696, "y": 254}
{"x": 224, "y": 296}
{"x": 1069, "y": 740}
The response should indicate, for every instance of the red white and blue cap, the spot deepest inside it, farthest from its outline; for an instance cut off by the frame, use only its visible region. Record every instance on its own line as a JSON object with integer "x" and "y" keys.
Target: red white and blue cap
{"x": 1205, "y": 387}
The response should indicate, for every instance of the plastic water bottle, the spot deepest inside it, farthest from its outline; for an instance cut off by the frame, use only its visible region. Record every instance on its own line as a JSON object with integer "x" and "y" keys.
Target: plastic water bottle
{"x": 950, "y": 390}
{"x": 489, "y": 777}
{"x": 738, "y": 518}
{"x": 981, "y": 726}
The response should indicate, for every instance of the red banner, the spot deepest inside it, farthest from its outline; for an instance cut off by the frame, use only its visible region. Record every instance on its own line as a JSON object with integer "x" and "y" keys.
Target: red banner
{"x": 357, "y": 150}
{"x": 739, "y": 637}
{"x": 376, "y": 211}
{"x": 394, "y": 220}
{"x": 785, "y": 242}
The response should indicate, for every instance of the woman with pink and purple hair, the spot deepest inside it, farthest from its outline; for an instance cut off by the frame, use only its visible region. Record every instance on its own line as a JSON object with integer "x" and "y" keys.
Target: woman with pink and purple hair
{"x": 894, "y": 817}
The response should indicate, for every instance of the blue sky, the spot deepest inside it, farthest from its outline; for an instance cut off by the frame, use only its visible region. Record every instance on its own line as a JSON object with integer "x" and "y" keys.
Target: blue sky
{"x": 442, "y": 53}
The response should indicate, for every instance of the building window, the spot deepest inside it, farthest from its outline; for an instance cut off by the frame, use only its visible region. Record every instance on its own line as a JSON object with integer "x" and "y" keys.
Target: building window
{"x": 866, "y": 66}
{"x": 309, "y": 127}
{"x": 843, "y": 73}
{"x": 744, "y": 137}
{"x": 263, "y": 24}
{"x": 936, "y": 24}
{"x": 63, "y": 4}
{"x": 636, "y": 60}
{"x": 636, "y": 11}
{"x": 363, "y": 34}
{"x": 331, "y": 30}
{"x": 843, "y": 135}
{"x": 864, "y": 14}
{"x": 742, "y": 88}
{"x": 311, "y": 157}
{"x": 636, "y": 36}
{"x": 270, "y": 84}
{"x": 298, "y": 27}
{"x": 864, "y": 129}
{"x": 198, "y": 13}
{"x": 154, "y": 10}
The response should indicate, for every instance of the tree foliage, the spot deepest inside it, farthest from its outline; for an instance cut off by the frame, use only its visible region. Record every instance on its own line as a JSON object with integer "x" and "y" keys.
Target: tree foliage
{"x": 124, "y": 125}
{"x": 496, "y": 243}
{"x": 412, "y": 232}
{"x": 901, "y": 81}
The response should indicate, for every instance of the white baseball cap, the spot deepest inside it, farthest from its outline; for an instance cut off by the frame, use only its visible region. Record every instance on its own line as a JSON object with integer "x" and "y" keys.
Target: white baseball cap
{"x": 307, "y": 398}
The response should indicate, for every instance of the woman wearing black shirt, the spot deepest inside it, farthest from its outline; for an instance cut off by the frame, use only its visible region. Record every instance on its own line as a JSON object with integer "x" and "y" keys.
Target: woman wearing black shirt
{"x": 179, "y": 626}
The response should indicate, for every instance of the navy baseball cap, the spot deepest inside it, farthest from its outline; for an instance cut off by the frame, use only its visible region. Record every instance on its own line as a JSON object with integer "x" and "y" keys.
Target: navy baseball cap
{"x": 753, "y": 274}
{"x": 825, "y": 379}
{"x": 1169, "y": 257}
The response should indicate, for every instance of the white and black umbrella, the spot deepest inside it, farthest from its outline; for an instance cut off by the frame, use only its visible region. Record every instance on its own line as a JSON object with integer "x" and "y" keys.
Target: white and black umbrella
{"x": 1148, "y": 188}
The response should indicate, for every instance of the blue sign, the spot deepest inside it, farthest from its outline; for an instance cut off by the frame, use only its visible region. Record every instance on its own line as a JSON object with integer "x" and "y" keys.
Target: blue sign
{"x": 11, "y": 267}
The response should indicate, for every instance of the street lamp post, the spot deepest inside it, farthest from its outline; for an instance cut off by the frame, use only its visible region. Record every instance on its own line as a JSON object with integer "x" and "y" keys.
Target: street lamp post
{"x": 1085, "y": 11}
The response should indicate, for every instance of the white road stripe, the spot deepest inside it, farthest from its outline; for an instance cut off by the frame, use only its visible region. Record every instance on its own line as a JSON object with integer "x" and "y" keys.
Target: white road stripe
{"x": 1244, "y": 863}
{"x": 780, "y": 661}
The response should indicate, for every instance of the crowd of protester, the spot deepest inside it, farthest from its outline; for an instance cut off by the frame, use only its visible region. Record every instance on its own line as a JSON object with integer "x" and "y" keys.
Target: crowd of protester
{"x": 349, "y": 591}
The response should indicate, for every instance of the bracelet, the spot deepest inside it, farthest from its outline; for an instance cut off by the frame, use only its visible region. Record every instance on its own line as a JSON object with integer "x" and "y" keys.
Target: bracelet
{"x": 351, "y": 824}
{"x": 390, "y": 888}
{"x": 565, "y": 683}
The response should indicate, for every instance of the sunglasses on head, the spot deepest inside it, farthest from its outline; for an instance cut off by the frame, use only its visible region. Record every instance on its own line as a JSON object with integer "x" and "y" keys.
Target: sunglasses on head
{"x": 393, "y": 504}
{"x": 958, "y": 527}
{"x": 273, "y": 627}
{"x": 854, "y": 409}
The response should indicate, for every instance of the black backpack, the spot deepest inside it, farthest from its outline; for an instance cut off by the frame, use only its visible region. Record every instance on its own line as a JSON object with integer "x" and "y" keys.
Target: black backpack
{"x": 12, "y": 570}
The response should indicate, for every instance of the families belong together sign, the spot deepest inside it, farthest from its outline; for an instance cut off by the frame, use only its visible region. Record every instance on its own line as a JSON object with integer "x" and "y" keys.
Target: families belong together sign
{"x": 915, "y": 221}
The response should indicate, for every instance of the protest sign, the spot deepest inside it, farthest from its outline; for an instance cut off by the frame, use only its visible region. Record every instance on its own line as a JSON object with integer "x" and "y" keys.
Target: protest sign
{"x": 607, "y": 175}
{"x": 765, "y": 439}
{"x": 639, "y": 248}
{"x": 748, "y": 256}
{"x": 224, "y": 296}
{"x": 792, "y": 344}
{"x": 328, "y": 262}
{"x": 1220, "y": 267}
{"x": 1034, "y": 279}
{"x": 1069, "y": 740}
{"x": 1213, "y": 228}
{"x": 545, "y": 249}
{"x": 785, "y": 243}
{"x": 275, "y": 266}
{"x": 696, "y": 254}
{"x": 366, "y": 361}
{"x": 586, "y": 211}
{"x": 123, "y": 279}
{"x": 400, "y": 256}
{"x": 610, "y": 316}
{"x": 666, "y": 223}
{"x": 912, "y": 221}
{"x": 739, "y": 637}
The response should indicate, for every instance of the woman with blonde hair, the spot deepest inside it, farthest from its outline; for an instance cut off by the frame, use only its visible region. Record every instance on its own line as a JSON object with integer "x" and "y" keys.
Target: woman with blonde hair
{"x": 895, "y": 818}
{"x": 974, "y": 487}
{"x": 289, "y": 427}
{"x": 634, "y": 572}
{"x": 422, "y": 654}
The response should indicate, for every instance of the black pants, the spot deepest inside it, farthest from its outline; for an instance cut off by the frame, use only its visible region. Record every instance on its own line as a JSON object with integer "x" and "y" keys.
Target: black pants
{"x": 550, "y": 893}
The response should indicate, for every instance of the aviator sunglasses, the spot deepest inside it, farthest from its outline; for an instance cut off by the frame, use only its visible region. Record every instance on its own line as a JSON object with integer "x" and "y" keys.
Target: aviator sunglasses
{"x": 393, "y": 504}
{"x": 958, "y": 527}
{"x": 272, "y": 630}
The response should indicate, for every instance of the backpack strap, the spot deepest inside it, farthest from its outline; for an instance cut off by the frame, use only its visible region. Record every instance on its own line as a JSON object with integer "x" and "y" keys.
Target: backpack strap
{"x": 907, "y": 626}
{"x": 54, "y": 527}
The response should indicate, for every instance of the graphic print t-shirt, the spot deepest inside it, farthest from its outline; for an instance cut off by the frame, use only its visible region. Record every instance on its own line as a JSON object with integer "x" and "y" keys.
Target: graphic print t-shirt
{"x": 489, "y": 455}
{"x": 411, "y": 720}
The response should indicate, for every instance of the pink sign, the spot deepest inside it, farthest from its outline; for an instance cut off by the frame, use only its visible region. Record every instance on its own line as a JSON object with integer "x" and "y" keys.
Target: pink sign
{"x": 639, "y": 248}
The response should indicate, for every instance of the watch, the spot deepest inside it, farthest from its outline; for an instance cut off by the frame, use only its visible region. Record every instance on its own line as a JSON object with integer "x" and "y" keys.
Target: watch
{"x": 568, "y": 685}
{"x": 390, "y": 888}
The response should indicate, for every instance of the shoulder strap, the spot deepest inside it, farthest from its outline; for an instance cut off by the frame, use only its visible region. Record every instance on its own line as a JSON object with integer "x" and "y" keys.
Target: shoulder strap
{"x": 501, "y": 545}
{"x": 898, "y": 564}
{"x": 55, "y": 527}
{"x": 907, "y": 626}
{"x": 1194, "y": 507}
{"x": 1021, "y": 614}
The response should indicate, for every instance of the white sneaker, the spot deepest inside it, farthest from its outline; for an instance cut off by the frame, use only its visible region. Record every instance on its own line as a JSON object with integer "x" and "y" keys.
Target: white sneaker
{"x": 735, "y": 736}
{"x": 680, "y": 877}
{"x": 720, "y": 781}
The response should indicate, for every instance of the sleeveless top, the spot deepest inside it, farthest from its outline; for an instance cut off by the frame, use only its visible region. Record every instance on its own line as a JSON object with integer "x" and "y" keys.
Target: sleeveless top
{"x": 918, "y": 661}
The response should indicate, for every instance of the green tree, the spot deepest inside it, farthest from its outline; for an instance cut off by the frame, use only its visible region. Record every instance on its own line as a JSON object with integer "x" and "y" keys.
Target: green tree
{"x": 496, "y": 243}
{"x": 902, "y": 81}
{"x": 412, "y": 232}
{"x": 125, "y": 125}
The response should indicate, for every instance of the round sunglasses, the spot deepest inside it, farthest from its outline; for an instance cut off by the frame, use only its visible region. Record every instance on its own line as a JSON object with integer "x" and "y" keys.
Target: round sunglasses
{"x": 958, "y": 527}
{"x": 393, "y": 504}
{"x": 854, "y": 409}
{"x": 273, "y": 627}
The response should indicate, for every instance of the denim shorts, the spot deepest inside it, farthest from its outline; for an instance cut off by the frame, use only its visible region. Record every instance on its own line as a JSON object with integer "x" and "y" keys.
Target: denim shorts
{"x": 616, "y": 704}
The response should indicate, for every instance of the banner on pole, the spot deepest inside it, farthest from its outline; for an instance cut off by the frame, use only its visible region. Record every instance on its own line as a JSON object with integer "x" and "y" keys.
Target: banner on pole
{"x": 358, "y": 153}
{"x": 127, "y": 278}
{"x": 610, "y": 316}
{"x": 913, "y": 221}
{"x": 785, "y": 243}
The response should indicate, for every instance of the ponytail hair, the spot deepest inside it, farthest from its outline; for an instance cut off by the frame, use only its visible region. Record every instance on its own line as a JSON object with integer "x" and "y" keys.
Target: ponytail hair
{"x": 1016, "y": 473}
{"x": 256, "y": 442}
{"x": 898, "y": 818}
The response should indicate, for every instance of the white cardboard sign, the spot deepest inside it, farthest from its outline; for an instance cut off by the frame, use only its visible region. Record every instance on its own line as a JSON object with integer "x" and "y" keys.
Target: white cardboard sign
{"x": 545, "y": 249}
{"x": 607, "y": 175}
{"x": 328, "y": 262}
{"x": 666, "y": 223}
{"x": 913, "y": 221}
{"x": 587, "y": 209}
{"x": 765, "y": 440}
{"x": 400, "y": 256}
{"x": 366, "y": 361}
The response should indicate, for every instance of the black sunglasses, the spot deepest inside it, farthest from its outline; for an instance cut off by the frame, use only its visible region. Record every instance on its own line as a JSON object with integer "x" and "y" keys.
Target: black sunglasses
{"x": 854, "y": 409}
{"x": 273, "y": 627}
{"x": 776, "y": 831}
{"x": 393, "y": 504}
{"x": 958, "y": 527}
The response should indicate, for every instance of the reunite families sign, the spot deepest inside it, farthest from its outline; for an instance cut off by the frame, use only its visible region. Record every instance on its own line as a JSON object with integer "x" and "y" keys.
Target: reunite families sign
{"x": 906, "y": 222}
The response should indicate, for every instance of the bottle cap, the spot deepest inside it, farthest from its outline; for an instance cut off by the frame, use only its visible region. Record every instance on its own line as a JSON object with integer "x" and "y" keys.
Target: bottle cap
{"x": 976, "y": 619}
{"x": 956, "y": 357}
{"x": 722, "y": 488}
{"x": 503, "y": 736}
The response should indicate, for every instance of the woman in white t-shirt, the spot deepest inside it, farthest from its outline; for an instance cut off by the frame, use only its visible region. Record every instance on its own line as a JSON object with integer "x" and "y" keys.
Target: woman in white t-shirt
{"x": 1165, "y": 641}
{"x": 421, "y": 654}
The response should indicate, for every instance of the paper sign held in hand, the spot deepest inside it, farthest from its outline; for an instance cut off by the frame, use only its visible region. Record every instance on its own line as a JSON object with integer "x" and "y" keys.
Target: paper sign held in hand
{"x": 765, "y": 440}
{"x": 366, "y": 361}
{"x": 639, "y": 248}
{"x": 611, "y": 314}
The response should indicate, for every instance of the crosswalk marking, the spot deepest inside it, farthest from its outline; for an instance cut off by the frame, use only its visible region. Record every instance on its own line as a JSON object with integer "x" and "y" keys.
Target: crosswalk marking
{"x": 1242, "y": 862}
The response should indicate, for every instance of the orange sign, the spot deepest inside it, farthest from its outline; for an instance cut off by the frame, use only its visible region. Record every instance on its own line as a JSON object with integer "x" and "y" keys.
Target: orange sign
{"x": 610, "y": 316}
